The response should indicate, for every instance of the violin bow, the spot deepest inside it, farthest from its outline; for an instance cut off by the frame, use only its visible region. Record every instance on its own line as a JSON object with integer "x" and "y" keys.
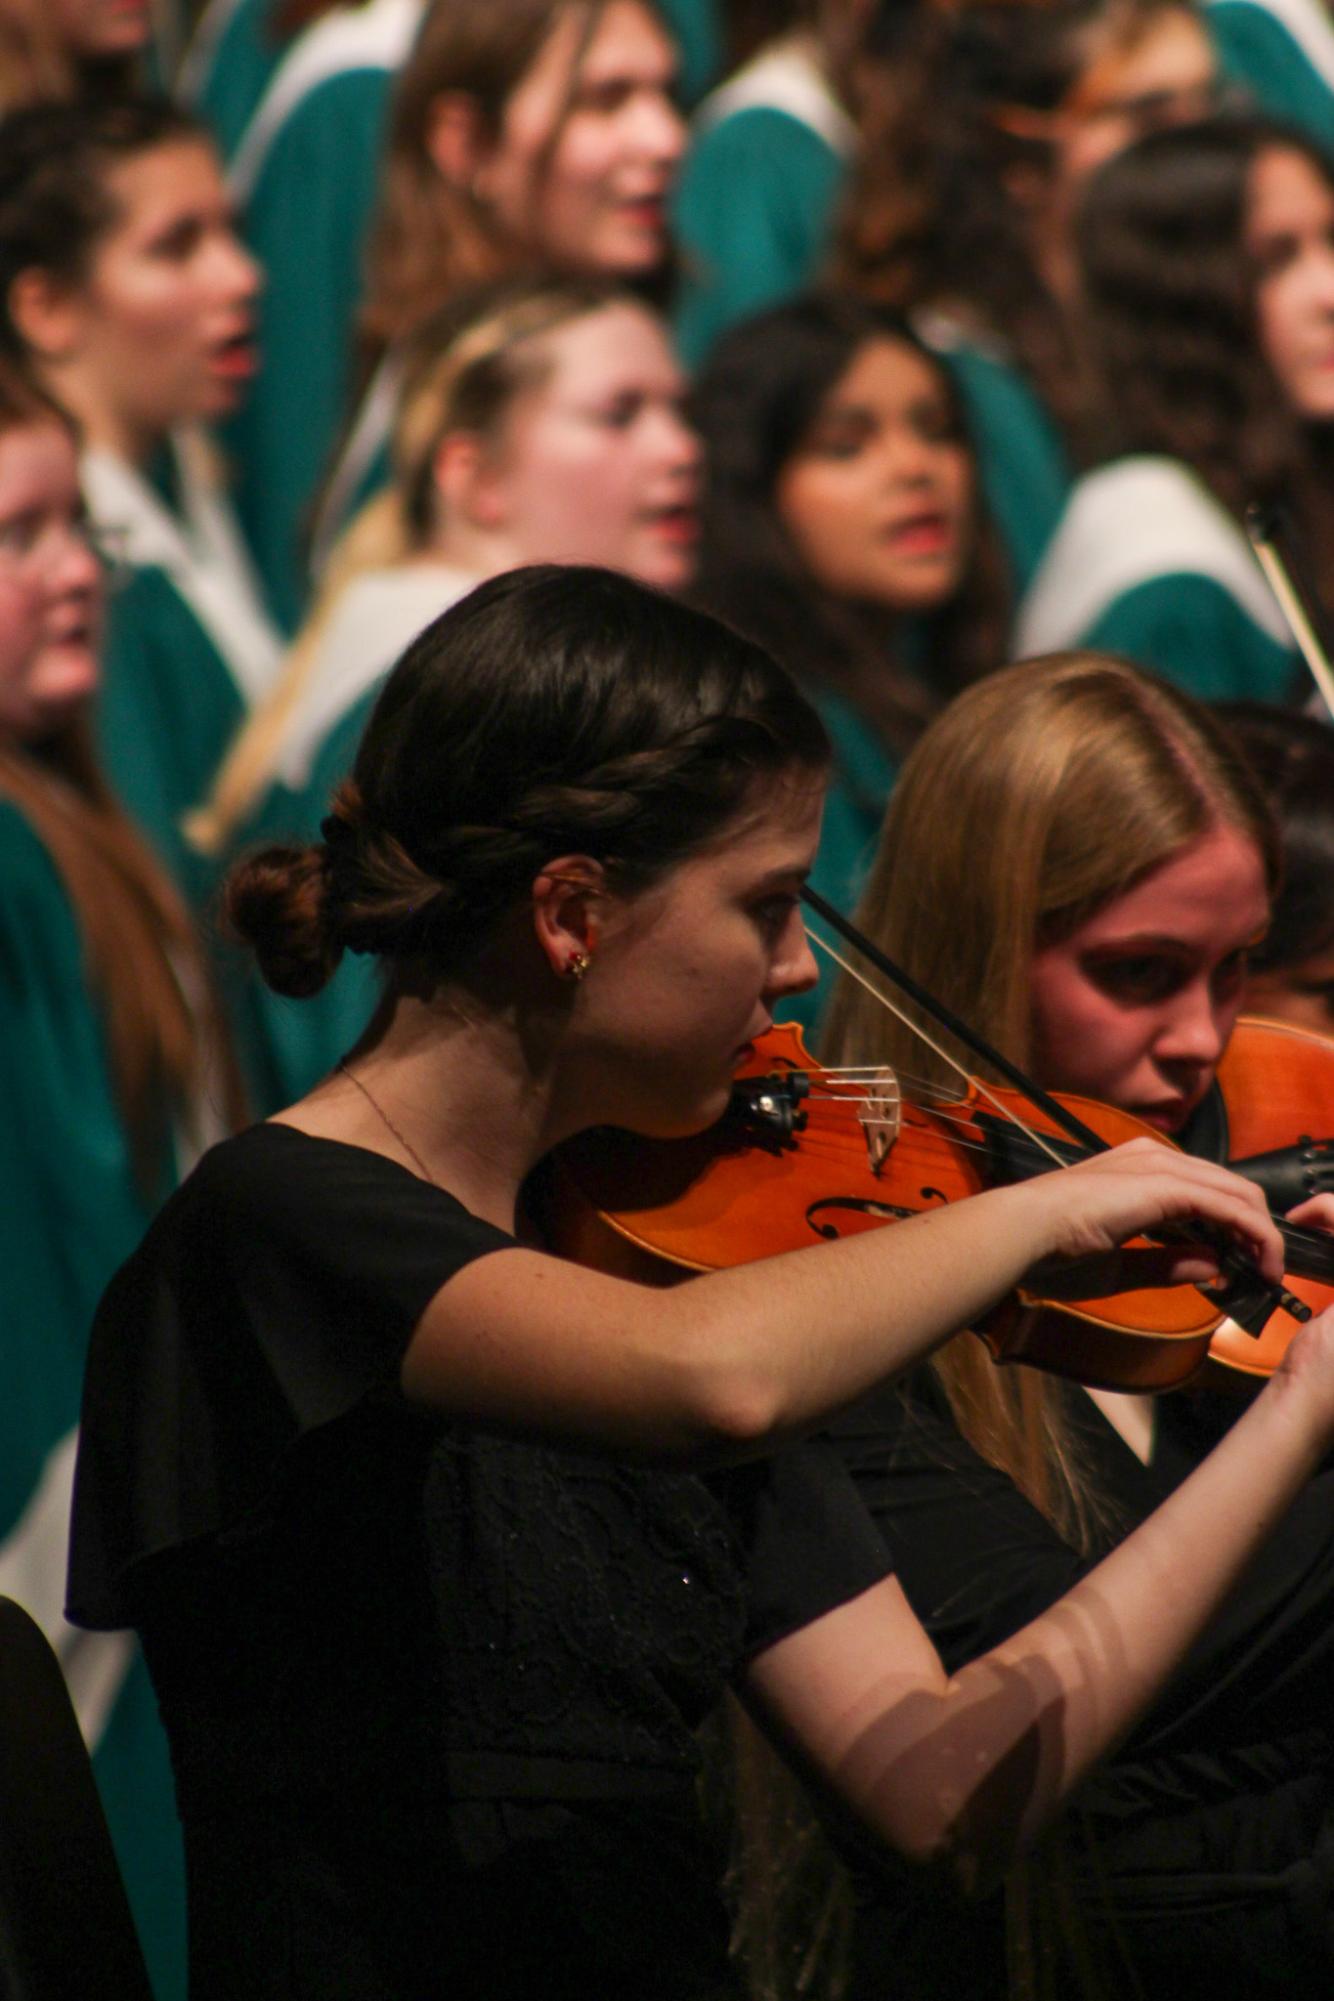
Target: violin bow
{"x": 1252, "y": 1294}
{"x": 1264, "y": 526}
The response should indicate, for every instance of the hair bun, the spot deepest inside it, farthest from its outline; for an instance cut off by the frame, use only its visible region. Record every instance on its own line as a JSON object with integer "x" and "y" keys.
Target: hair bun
{"x": 277, "y": 901}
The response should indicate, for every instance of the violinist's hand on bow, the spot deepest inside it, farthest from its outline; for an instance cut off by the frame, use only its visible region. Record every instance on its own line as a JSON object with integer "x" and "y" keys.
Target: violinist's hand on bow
{"x": 1147, "y": 1189}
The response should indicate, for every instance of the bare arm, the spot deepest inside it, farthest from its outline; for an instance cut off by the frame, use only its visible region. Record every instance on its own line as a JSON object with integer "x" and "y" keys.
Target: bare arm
{"x": 536, "y": 1344}
{"x": 959, "y": 1772}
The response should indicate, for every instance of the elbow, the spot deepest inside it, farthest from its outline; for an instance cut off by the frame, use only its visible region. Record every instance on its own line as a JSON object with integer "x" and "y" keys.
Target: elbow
{"x": 732, "y": 1416}
{"x": 955, "y": 1845}
{"x": 730, "y": 1406}
{"x": 951, "y": 1867}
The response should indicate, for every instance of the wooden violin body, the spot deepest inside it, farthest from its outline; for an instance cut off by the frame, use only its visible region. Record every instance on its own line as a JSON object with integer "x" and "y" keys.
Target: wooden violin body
{"x": 1277, "y": 1084}
{"x": 803, "y": 1161}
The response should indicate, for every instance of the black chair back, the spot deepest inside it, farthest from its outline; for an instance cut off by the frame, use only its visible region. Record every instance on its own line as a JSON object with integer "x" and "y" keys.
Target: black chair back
{"x": 65, "y": 1923}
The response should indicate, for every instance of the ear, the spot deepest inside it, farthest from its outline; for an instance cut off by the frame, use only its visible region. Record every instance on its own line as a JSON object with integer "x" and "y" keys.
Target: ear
{"x": 45, "y": 314}
{"x": 455, "y": 137}
{"x": 567, "y": 899}
{"x": 467, "y": 480}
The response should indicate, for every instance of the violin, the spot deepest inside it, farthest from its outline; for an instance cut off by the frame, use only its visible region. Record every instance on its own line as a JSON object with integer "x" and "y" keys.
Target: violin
{"x": 1275, "y": 1086}
{"x": 805, "y": 1156}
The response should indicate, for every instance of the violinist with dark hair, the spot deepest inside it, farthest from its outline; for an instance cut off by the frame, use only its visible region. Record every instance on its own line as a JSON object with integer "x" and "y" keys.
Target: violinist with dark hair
{"x": 412, "y": 1515}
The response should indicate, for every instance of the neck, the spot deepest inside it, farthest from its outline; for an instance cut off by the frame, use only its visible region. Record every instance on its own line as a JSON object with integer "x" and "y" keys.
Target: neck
{"x": 443, "y": 1086}
{"x": 104, "y": 425}
{"x": 479, "y": 552}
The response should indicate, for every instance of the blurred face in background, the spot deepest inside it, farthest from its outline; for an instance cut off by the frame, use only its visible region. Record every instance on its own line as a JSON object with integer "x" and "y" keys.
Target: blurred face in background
{"x": 877, "y": 499}
{"x": 1164, "y": 75}
{"x": 595, "y": 462}
{"x": 50, "y": 585}
{"x": 581, "y": 172}
{"x": 158, "y": 330}
{"x": 1289, "y": 230}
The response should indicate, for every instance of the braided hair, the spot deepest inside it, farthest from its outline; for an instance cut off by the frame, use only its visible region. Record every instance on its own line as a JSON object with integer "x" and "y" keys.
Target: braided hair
{"x": 557, "y": 709}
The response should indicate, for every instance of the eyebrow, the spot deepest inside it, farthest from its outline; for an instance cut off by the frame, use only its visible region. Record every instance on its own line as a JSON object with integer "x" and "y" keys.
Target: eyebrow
{"x": 1159, "y": 941}
{"x": 785, "y": 872}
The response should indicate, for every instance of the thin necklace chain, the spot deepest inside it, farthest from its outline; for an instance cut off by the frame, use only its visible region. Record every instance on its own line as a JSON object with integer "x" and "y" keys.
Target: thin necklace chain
{"x": 381, "y": 1114}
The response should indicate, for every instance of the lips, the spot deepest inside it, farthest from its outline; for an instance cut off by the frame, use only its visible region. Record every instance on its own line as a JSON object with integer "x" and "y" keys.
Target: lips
{"x": 677, "y": 523}
{"x": 648, "y": 210}
{"x": 236, "y": 358}
{"x": 927, "y": 533}
{"x": 1168, "y": 1116}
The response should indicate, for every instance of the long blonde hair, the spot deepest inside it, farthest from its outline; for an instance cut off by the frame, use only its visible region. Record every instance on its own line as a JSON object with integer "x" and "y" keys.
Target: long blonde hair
{"x": 461, "y": 373}
{"x": 1040, "y": 794}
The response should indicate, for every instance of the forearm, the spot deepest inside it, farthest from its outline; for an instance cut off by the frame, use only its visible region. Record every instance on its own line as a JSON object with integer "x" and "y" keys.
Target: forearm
{"x": 1018, "y": 1729}
{"x": 539, "y": 1344}
{"x": 854, "y": 1313}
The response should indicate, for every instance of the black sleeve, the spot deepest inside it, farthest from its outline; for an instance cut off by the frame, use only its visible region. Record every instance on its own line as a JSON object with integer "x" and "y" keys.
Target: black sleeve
{"x": 808, "y": 1542}
{"x": 977, "y": 1562}
{"x": 277, "y": 1292}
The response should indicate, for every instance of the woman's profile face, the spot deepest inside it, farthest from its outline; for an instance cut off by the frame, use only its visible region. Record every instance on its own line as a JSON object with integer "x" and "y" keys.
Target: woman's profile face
{"x": 877, "y": 498}
{"x": 595, "y": 463}
{"x": 1289, "y": 231}
{"x": 165, "y": 316}
{"x": 1135, "y": 1007}
{"x": 50, "y": 585}
{"x": 687, "y": 972}
{"x": 581, "y": 173}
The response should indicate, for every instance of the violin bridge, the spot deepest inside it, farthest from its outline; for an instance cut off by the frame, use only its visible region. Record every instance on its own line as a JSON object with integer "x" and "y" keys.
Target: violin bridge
{"x": 881, "y": 1114}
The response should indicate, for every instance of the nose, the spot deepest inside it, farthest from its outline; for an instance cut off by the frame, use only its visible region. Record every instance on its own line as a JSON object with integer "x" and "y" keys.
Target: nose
{"x": 793, "y": 969}
{"x": 75, "y": 566}
{"x": 660, "y": 131}
{"x": 1196, "y": 1029}
{"x": 1322, "y": 278}
{"x": 909, "y": 458}
{"x": 237, "y": 277}
{"x": 677, "y": 444}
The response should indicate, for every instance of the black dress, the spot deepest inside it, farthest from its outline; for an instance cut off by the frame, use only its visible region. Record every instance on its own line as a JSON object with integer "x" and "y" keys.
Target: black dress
{"x": 431, "y": 1692}
{"x": 1201, "y": 1856}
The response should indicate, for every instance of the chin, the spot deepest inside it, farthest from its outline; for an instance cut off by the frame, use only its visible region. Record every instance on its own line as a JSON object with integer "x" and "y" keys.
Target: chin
{"x": 67, "y": 684}
{"x": 683, "y": 1121}
{"x": 632, "y": 257}
{"x": 669, "y": 570}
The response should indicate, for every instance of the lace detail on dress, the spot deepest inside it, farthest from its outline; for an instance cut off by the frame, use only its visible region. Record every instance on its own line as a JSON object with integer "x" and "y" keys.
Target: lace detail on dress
{"x": 604, "y": 1607}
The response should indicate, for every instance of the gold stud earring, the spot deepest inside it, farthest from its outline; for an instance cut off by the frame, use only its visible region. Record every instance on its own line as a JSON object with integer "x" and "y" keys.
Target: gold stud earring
{"x": 577, "y": 966}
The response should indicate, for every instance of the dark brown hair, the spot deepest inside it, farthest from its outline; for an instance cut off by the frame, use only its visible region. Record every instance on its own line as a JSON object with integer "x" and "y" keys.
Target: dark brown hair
{"x": 555, "y": 710}
{"x": 1170, "y": 308}
{"x": 929, "y": 219}
{"x": 754, "y": 403}
{"x": 55, "y": 201}
{"x": 1292, "y": 757}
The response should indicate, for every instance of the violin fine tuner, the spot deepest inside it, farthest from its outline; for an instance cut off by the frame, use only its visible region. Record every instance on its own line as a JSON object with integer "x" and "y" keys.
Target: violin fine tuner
{"x": 771, "y": 1104}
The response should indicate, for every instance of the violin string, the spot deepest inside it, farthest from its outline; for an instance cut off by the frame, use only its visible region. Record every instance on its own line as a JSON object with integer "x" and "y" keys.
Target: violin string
{"x": 1316, "y": 1247}
{"x": 937, "y": 1048}
{"x": 1314, "y": 1243}
{"x": 924, "y": 1087}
